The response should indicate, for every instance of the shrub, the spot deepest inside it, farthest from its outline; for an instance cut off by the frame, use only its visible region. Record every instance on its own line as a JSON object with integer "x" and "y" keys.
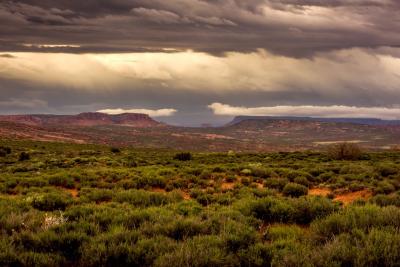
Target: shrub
{"x": 145, "y": 198}
{"x": 384, "y": 187}
{"x": 96, "y": 195}
{"x": 245, "y": 181}
{"x": 276, "y": 183}
{"x": 199, "y": 251}
{"x": 378, "y": 247}
{"x": 184, "y": 156}
{"x": 301, "y": 180}
{"x": 4, "y": 151}
{"x": 184, "y": 228}
{"x": 310, "y": 208}
{"x": 386, "y": 170}
{"x": 63, "y": 181}
{"x": 246, "y": 172}
{"x": 357, "y": 217}
{"x": 271, "y": 210}
{"x": 283, "y": 232}
{"x": 239, "y": 236}
{"x": 24, "y": 156}
{"x": 115, "y": 150}
{"x": 50, "y": 202}
{"x": 294, "y": 190}
{"x": 384, "y": 200}
{"x": 345, "y": 151}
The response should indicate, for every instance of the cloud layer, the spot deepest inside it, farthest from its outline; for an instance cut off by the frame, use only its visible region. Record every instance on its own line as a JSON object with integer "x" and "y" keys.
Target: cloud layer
{"x": 373, "y": 75}
{"x": 290, "y": 27}
{"x": 309, "y": 111}
{"x": 165, "y": 112}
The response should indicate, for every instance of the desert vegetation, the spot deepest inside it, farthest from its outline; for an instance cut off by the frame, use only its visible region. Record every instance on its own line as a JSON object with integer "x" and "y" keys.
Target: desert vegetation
{"x": 92, "y": 205}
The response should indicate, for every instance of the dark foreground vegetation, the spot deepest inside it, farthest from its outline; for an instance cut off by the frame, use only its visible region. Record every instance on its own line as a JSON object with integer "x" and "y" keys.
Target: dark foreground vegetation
{"x": 83, "y": 205}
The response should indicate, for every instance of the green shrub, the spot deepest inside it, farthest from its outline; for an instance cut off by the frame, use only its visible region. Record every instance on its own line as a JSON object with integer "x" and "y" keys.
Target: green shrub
{"x": 199, "y": 251}
{"x": 294, "y": 190}
{"x": 4, "y": 151}
{"x": 387, "y": 169}
{"x": 257, "y": 255}
{"x": 384, "y": 188}
{"x": 276, "y": 183}
{"x": 307, "y": 209}
{"x": 357, "y": 217}
{"x": 23, "y": 156}
{"x": 115, "y": 150}
{"x": 96, "y": 195}
{"x": 145, "y": 198}
{"x": 283, "y": 232}
{"x": 245, "y": 181}
{"x": 184, "y": 156}
{"x": 185, "y": 228}
{"x": 61, "y": 180}
{"x": 270, "y": 209}
{"x": 50, "y": 202}
{"x": 378, "y": 247}
{"x": 301, "y": 180}
{"x": 385, "y": 200}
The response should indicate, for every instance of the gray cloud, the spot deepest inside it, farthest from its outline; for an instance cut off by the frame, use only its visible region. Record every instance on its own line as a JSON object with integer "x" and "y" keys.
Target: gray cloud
{"x": 290, "y": 27}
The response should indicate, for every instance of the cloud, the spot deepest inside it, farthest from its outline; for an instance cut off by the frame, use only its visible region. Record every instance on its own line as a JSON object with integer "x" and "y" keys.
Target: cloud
{"x": 7, "y": 56}
{"x": 189, "y": 80}
{"x": 159, "y": 16}
{"x": 14, "y": 103}
{"x": 351, "y": 73}
{"x": 309, "y": 111}
{"x": 165, "y": 112}
{"x": 297, "y": 28}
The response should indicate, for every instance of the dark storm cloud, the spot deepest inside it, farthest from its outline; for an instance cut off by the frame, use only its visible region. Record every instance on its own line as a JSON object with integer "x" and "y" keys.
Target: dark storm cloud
{"x": 290, "y": 27}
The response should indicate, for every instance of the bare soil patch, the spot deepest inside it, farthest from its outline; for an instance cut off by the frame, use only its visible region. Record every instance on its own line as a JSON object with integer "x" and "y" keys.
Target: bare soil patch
{"x": 227, "y": 186}
{"x": 186, "y": 195}
{"x": 259, "y": 185}
{"x": 73, "y": 191}
{"x": 319, "y": 191}
{"x": 348, "y": 198}
{"x": 158, "y": 190}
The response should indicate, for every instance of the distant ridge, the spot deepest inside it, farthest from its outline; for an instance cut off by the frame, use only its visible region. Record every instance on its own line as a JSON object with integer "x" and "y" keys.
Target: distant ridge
{"x": 365, "y": 121}
{"x": 83, "y": 119}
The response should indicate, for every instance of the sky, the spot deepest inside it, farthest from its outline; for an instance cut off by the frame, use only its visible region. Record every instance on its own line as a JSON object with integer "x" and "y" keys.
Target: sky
{"x": 189, "y": 62}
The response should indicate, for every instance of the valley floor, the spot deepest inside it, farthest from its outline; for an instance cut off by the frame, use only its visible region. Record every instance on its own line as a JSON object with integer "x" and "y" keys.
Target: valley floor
{"x": 91, "y": 205}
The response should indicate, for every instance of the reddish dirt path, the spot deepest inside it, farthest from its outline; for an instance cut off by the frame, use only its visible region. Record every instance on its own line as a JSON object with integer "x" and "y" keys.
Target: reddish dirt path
{"x": 348, "y": 198}
{"x": 345, "y": 198}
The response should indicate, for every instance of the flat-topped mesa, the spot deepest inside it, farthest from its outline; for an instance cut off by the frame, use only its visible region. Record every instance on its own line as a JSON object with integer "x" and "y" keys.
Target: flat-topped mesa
{"x": 365, "y": 121}
{"x": 84, "y": 119}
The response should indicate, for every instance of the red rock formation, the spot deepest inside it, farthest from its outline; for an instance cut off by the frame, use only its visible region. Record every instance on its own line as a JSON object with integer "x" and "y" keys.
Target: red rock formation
{"x": 84, "y": 119}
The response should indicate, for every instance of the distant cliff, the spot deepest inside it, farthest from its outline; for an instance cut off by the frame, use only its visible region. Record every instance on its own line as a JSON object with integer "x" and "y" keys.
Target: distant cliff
{"x": 366, "y": 121}
{"x": 83, "y": 119}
